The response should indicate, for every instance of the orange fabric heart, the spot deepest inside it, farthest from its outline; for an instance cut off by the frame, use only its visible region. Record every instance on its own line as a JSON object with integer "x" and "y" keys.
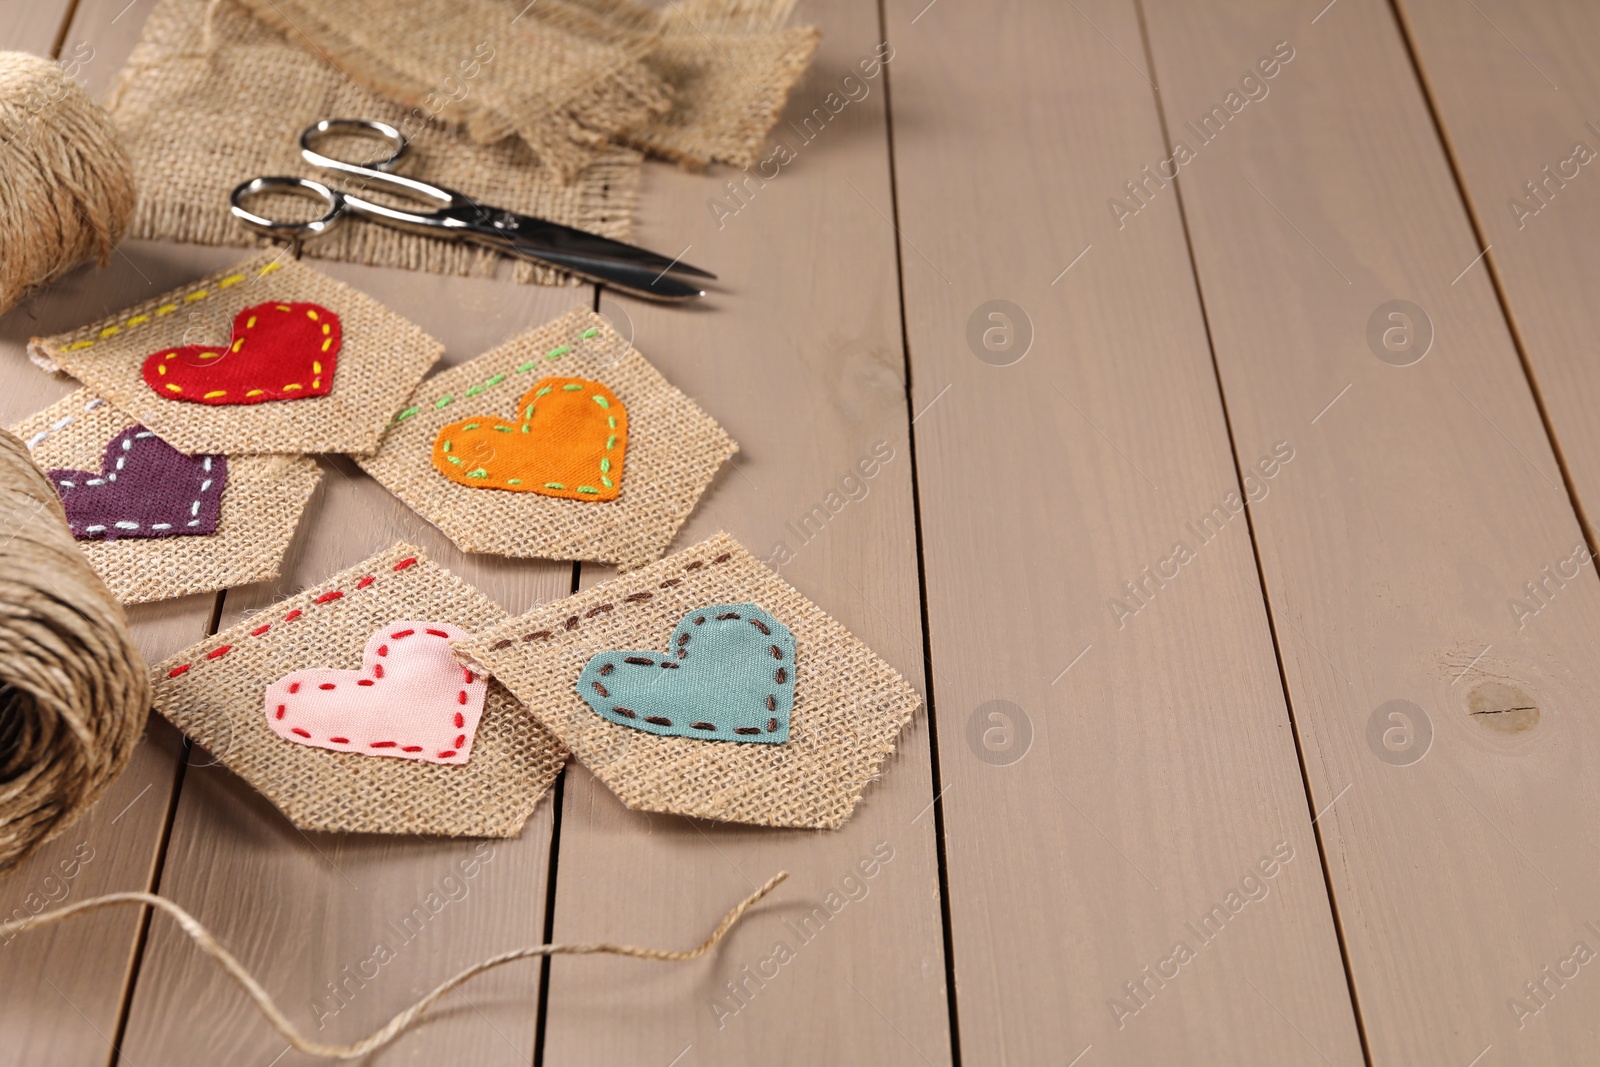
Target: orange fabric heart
{"x": 569, "y": 442}
{"x": 278, "y": 351}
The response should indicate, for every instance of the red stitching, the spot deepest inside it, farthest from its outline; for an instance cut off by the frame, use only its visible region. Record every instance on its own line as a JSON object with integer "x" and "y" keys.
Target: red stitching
{"x": 377, "y": 670}
{"x": 402, "y": 633}
{"x": 325, "y": 597}
{"x": 461, "y": 697}
{"x": 259, "y": 630}
{"x": 365, "y": 681}
{"x": 302, "y": 733}
{"x": 412, "y": 748}
{"x": 293, "y": 615}
{"x": 403, "y": 564}
{"x": 219, "y": 652}
{"x": 470, "y": 678}
{"x": 447, "y": 754}
{"x": 339, "y": 740}
{"x": 461, "y": 740}
{"x": 363, "y": 583}
{"x": 437, "y": 633}
{"x": 384, "y": 744}
{"x": 294, "y": 687}
{"x": 326, "y": 685}
{"x": 461, "y": 720}
{"x": 174, "y": 672}
{"x": 281, "y": 709}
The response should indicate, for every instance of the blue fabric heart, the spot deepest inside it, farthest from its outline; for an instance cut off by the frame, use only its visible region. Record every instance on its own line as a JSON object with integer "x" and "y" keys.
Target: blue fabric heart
{"x": 728, "y": 677}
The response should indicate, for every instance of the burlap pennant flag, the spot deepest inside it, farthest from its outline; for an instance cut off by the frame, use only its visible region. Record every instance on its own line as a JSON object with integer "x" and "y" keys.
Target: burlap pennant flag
{"x": 337, "y": 704}
{"x": 562, "y": 443}
{"x": 704, "y": 685}
{"x": 155, "y": 523}
{"x": 268, "y": 355}
{"x": 212, "y": 96}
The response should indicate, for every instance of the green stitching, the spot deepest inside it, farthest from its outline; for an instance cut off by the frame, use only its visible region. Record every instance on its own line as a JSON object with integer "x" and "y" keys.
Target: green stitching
{"x": 607, "y": 482}
{"x": 611, "y": 442}
{"x": 542, "y": 392}
{"x": 502, "y": 429}
{"x": 526, "y": 367}
{"x": 479, "y": 473}
{"x": 590, "y": 332}
{"x": 406, "y": 414}
{"x": 443, "y": 401}
{"x": 554, "y": 485}
{"x": 475, "y": 390}
{"x": 445, "y": 447}
{"x": 496, "y": 380}
{"x": 454, "y": 459}
{"x": 557, "y": 353}
{"x": 472, "y": 426}
{"x": 587, "y": 489}
{"x": 602, "y": 401}
{"x": 611, "y": 420}
{"x": 605, "y": 465}
{"x": 571, "y": 387}
{"x": 513, "y": 481}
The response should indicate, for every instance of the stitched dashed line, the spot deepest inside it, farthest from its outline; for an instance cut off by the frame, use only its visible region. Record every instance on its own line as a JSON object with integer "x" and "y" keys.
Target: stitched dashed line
{"x": 61, "y": 424}
{"x": 223, "y": 650}
{"x": 632, "y": 598}
{"x": 527, "y": 421}
{"x": 128, "y": 524}
{"x": 449, "y": 398}
{"x": 166, "y": 309}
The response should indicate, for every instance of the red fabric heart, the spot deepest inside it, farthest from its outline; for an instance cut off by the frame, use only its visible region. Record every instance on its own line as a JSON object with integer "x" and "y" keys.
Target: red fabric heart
{"x": 410, "y": 699}
{"x": 279, "y": 352}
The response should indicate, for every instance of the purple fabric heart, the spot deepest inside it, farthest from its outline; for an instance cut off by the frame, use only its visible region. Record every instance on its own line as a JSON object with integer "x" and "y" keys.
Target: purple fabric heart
{"x": 145, "y": 488}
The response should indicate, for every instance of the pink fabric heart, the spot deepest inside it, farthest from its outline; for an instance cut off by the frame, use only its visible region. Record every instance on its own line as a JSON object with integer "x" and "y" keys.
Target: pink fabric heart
{"x": 409, "y": 700}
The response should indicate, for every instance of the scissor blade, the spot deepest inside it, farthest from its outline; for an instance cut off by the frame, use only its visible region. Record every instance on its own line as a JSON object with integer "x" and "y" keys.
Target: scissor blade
{"x": 539, "y": 237}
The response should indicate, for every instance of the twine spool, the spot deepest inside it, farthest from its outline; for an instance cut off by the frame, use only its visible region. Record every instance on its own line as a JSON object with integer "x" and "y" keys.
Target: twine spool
{"x": 66, "y": 182}
{"x": 74, "y": 691}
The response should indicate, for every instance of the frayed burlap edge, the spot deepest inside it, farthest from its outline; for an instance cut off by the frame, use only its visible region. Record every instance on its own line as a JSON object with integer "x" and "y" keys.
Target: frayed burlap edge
{"x": 193, "y": 135}
{"x": 262, "y": 500}
{"x": 381, "y": 358}
{"x": 849, "y": 710}
{"x": 673, "y": 451}
{"x": 213, "y": 692}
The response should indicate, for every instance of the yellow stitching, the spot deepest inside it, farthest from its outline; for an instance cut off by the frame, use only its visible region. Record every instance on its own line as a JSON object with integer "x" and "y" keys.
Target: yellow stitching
{"x": 167, "y": 309}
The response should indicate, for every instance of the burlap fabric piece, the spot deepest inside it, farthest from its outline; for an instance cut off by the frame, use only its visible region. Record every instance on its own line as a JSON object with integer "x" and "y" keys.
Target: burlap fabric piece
{"x": 213, "y": 692}
{"x": 731, "y": 65}
{"x": 565, "y": 76}
{"x": 673, "y": 450}
{"x": 261, "y": 505}
{"x": 849, "y": 708}
{"x": 381, "y": 358}
{"x": 212, "y": 96}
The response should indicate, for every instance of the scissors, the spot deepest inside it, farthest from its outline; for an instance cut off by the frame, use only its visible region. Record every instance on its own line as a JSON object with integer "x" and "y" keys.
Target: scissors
{"x": 600, "y": 259}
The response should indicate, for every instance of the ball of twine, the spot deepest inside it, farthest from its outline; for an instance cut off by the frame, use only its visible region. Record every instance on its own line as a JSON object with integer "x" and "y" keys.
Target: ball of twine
{"x": 66, "y": 182}
{"x": 74, "y": 691}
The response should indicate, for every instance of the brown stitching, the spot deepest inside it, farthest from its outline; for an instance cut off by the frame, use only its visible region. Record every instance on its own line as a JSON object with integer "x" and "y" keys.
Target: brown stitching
{"x": 572, "y": 622}
{"x": 597, "y": 610}
{"x": 639, "y": 661}
{"x": 699, "y": 620}
{"x": 782, "y": 676}
{"x": 498, "y": 645}
{"x": 702, "y": 726}
{"x": 747, "y": 730}
{"x": 657, "y": 720}
{"x": 634, "y": 598}
{"x": 772, "y": 702}
{"x": 758, "y": 624}
{"x": 607, "y": 669}
{"x": 696, "y": 565}
{"x": 777, "y": 653}
{"x": 725, "y": 557}
{"x": 727, "y": 615}
{"x": 598, "y": 688}
{"x": 669, "y": 583}
{"x": 772, "y": 726}
{"x": 667, "y": 663}
{"x": 541, "y": 635}
{"x": 683, "y": 639}
{"x": 625, "y": 711}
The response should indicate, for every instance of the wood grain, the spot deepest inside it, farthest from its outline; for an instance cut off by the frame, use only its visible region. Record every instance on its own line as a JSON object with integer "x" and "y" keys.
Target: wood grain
{"x": 1419, "y": 505}
{"x": 1142, "y": 765}
{"x": 797, "y": 354}
{"x": 62, "y": 989}
{"x": 1516, "y": 90}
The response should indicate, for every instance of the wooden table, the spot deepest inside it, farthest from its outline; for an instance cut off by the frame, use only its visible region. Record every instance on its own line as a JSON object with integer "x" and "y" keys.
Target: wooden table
{"x": 1254, "y": 610}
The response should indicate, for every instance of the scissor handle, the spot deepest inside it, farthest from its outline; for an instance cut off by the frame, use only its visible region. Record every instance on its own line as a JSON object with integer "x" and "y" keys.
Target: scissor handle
{"x": 285, "y": 184}
{"x": 379, "y": 172}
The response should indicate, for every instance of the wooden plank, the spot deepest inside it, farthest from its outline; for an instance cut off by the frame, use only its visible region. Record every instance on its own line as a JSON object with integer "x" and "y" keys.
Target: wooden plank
{"x": 1422, "y": 500}
{"x": 62, "y": 990}
{"x": 1116, "y": 754}
{"x": 305, "y": 911}
{"x": 1515, "y": 93}
{"x": 798, "y": 355}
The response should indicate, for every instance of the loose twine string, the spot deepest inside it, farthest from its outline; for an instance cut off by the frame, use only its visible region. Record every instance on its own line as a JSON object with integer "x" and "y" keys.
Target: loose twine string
{"x": 74, "y": 692}
{"x": 401, "y": 1022}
